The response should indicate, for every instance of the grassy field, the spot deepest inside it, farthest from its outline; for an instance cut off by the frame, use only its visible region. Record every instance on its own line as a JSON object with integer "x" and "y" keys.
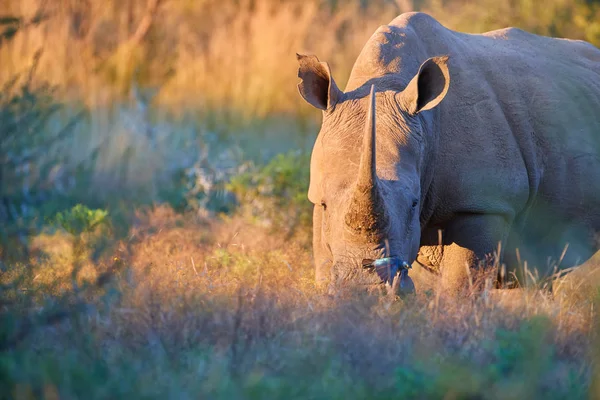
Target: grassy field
{"x": 155, "y": 231}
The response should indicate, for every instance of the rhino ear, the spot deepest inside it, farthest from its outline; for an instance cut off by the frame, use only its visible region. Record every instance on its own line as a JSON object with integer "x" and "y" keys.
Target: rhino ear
{"x": 317, "y": 86}
{"x": 429, "y": 87}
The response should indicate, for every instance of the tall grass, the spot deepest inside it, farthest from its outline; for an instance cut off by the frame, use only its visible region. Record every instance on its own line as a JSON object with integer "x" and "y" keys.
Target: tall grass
{"x": 232, "y": 55}
{"x": 227, "y": 309}
{"x": 236, "y": 56}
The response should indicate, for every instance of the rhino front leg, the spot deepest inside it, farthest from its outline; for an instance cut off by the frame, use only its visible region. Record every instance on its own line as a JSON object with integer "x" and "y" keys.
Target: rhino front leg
{"x": 467, "y": 240}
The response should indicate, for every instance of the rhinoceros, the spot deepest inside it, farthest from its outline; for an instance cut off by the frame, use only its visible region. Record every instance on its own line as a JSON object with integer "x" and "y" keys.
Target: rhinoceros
{"x": 448, "y": 148}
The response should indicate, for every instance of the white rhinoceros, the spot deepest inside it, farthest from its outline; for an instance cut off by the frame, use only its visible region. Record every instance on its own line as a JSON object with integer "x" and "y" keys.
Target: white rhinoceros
{"x": 490, "y": 138}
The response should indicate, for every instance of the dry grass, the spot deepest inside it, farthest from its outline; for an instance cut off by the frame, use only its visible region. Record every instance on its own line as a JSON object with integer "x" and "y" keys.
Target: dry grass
{"x": 206, "y": 54}
{"x": 235, "y": 57}
{"x": 245, "y": 299}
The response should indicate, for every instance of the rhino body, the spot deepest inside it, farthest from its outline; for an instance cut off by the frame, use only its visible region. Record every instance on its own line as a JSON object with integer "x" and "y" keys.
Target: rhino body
{"x": 469, "y": 146}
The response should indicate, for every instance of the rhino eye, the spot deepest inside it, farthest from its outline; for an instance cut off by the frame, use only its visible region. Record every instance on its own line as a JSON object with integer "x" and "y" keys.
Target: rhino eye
{"x": 324, "y": 205}
{"x": 414, "y": 203}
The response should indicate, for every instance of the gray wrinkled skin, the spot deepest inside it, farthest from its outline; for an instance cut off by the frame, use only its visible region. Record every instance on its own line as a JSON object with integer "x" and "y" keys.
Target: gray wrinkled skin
{"x": 488, "y": 139}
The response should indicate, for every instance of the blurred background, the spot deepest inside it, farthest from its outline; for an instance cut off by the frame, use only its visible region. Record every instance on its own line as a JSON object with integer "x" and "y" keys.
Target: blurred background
{"x": 155, "y": 230}
{"x": 164, "y": 100}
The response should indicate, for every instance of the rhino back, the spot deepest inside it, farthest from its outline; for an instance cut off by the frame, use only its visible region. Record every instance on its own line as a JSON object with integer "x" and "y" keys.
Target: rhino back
{"x": 521, "y": 121}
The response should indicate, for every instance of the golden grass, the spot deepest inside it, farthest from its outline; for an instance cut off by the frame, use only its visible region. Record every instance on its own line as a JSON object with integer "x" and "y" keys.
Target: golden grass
{"x": 207, "y": 54}
{"x": 175, "y": 259}
{"x": 236, "y": 55}
{"x": 219, "y": 301}
{"x": 258, "y": 298}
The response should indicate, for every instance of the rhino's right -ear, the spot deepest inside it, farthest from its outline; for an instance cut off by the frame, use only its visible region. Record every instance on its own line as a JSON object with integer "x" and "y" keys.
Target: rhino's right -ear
{"x": 317, "y": 86}
{"x": 429, "y": 87}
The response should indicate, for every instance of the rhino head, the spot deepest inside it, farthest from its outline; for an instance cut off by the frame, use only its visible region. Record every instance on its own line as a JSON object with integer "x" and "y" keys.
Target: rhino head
{"x": 369, "y": 167}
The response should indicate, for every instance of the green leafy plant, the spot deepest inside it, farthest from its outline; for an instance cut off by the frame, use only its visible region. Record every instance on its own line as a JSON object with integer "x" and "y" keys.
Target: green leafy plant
{"x": 80, "y": 219}
{"x": 276, "y": 192}
{"x": 82, "y": 224}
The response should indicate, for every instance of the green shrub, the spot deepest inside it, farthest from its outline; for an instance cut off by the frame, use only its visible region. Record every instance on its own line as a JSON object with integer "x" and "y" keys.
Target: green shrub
{"x": 30, "y": 178}
{"x": 80, "y": 219}
{"x": 276, "y": 193}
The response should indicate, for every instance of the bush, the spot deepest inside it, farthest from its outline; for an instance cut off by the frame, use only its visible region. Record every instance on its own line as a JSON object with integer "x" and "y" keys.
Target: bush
{"x": 30, "y": 179}
{"x": 276, "y": 193}
{"x": 80, "y": 219}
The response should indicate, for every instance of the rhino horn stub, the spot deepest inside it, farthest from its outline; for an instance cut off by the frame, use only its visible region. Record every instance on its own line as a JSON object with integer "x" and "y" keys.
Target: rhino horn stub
{"x": 366, "y": 212}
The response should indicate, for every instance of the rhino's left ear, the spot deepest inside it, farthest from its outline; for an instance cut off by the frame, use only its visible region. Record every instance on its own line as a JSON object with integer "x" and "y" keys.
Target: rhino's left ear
{"x": 429, "y": 87}
{"x": 317, "y": 86}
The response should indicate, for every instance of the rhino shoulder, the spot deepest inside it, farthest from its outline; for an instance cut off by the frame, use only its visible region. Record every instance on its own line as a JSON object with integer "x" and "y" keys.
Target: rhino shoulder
{"x": 395, "y": 47}
{"x": 418, "y": 21}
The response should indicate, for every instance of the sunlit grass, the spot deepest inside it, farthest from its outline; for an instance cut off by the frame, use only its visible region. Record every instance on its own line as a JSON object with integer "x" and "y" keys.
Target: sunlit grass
{"x": 229, "y": 309}
{"x": 235, "y": 56}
